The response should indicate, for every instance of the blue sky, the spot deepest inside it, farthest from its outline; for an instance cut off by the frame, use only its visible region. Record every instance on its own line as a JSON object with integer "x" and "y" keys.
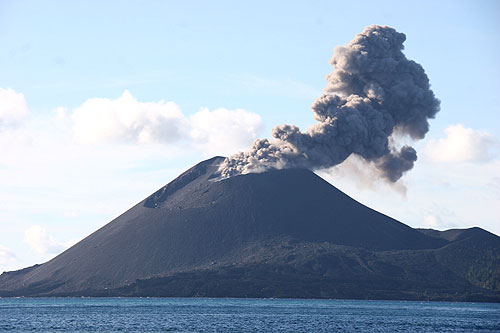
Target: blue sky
{"x": 233, "y": 71}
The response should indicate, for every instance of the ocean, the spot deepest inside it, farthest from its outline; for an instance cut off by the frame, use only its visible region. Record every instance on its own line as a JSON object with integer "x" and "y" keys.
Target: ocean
{"x": 243, "y": 315}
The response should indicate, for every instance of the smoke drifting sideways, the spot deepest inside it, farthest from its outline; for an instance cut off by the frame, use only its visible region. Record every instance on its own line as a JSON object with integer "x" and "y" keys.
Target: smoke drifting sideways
{"x": 374, "y": 96}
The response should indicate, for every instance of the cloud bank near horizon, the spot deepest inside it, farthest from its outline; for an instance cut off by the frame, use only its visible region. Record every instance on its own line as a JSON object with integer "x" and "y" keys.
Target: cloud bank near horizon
{"x": 39, "y": 240}
{"x": 6, "y": 256}
{"x": 42, "y": 151}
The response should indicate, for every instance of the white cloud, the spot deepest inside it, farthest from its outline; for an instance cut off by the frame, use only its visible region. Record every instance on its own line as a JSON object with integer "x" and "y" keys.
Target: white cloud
{"x": 61, "y": 113}
{"x": 432, "y": 221}
{"x": 125, "y": 119}
{"x": 435, "y": 221}
{"x": 13, "y": 108}
{"x": 359, "y": 174}
{"x": 223, "y": 131}
{"x": 40, "y": 241}
{"x": 6, "y": 255}
{"x": 462, "y": 144}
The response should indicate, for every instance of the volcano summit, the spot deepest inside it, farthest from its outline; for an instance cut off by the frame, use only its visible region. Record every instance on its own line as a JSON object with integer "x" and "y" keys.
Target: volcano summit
{"x": 280, "y": 233}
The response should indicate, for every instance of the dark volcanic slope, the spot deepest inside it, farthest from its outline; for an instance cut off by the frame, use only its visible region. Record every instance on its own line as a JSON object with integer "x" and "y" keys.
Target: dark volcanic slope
{"x": 197, "y": 223}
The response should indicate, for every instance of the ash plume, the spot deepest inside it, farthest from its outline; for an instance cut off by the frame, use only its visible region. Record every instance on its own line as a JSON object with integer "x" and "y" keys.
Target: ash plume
{"x": 374, "y": 95}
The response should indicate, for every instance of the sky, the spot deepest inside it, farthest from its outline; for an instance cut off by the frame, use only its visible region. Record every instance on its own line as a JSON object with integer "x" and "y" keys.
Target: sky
{"x": 102, "y": 103}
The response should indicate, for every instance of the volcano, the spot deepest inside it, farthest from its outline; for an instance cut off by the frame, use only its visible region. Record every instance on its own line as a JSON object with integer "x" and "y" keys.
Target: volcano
{"x": 281, "y": 233}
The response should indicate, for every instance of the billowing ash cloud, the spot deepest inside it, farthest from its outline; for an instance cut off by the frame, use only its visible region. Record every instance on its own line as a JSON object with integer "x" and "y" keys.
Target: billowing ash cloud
{"x": 373, "y": 93}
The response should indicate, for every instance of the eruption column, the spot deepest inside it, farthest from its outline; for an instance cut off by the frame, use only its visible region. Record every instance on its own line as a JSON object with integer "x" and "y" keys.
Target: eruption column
{"x": 374, "y": 95}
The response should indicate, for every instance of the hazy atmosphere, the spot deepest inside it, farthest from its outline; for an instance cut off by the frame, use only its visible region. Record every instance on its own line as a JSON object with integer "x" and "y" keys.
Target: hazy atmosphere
{"x": 103, "y": 104}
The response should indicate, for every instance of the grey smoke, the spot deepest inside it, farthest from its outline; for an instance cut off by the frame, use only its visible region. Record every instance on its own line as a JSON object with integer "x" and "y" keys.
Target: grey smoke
{"x": 374, "y": 95}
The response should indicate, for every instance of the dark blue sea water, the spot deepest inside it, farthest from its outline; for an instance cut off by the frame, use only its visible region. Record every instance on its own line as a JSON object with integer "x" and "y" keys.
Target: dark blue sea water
{"x": 243, "y": 315}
